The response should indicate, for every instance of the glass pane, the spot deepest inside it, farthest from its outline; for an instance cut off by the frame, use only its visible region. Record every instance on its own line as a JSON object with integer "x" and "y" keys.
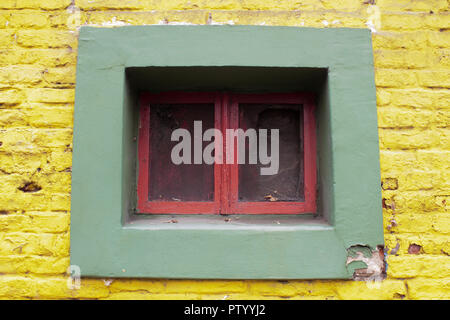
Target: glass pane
{"x": 182, "y": 182}
{"x": 288, "y": 183}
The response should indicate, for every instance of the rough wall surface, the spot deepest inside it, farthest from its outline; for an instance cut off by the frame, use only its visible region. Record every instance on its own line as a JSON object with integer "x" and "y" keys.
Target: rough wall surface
{"x": 38, "y": 50}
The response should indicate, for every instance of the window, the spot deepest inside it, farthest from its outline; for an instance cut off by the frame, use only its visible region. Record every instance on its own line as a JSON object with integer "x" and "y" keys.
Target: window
{"x": 234, "y": 183}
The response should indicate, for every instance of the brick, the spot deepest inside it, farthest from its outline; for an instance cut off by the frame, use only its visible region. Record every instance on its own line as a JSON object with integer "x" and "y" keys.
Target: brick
{"x": 396, "y": 161}
{"x": 34, "y": 264}
{"x": 60, "y": 76}
{"x": 23, "y": 74}
{"x": 28, "y": 19}
{"x": 233, "y": 296}
{"x": 39, "y": 222}
{"x": 58, "y": 288}
{"x": 440, "y": 98}
{"x": 34, "y": 201}
{"x": 8, "y": 4}
{"x": 6, "y": 38}
{"x": 273, "y": 288}
{"x": 131, "y": 17}
{"x": 421, "y": 98}
{"x": 53, "y": 137}
{"x": 351, "y": 5}
{"x": 389, "y": 183}
{"x": 442, "y": 202}
{"x": 383, "y": 97}
{"x": 400, "y": 40}
{"x": 43, "y": 4}
{"x": 434, "y": 244}
{"x": 373, "y": 290}
{"x": 59, "y": 160}
{"x": 444, "y": 184}
{"x": 4, "y": 19}
{"x": 394, "y": 78}
{"x": 110, "y": 4}
{"x": 12, "y": 118}
{"x": 29, "y": 141}
{"x": 204, "y": 286}
{"x": 22, "y": 162}
{"x": 271, "y": 5}
{"x": 319, "y": 288}
{"x": 441, "y": 58}
{"x": 417, "y": 5}
{"x": 443, "y": 118}
{"x": 419, "y": 180}
{"x": 222, "y": 4}
{"x": 39, "y": 57}
{"x": 402, "y": 21}
{"x": 143, "y": 295}
{"x": 404, "y": 118}
{"x": 11, "y": 182}
{"x": 70, "y": 19}
{"x": 57, "y": 202}
{"x": 410, "y": 266}
{"x": 6, "y": 162}
{"x": 432, "y": 160}
{"x": 41, "y": 116}
{"x": 444, "y": 138}
{"x": 416, "y": 202}
{"x": 408, "y": 223}
{"x": 46, "y": 38}
{"x": 13, "y": 286}
{"x": 439, "y": 39}
{"x": 386, "y": 58}
{"x": 142, "y": 285}
{"x": 33, "y": 4}
{"x": 258, "y": 5}
{"x": 16, "y": 140}
{"x": 434, "y": 78}
{"x": 436, "y": 21}
{"x": 59, "y": 182}
{"x": 49, "y": 95}
{"x": 408, "y": 139}
{"x": 50, "y": 244}
{"x": 426, "y": 289}
{"x": 441, "y": 224}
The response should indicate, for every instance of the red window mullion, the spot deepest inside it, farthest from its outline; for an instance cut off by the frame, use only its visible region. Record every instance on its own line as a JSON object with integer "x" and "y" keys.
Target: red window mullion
{"x": 218, "y": 167}
{"x": 233, "y": 182}
{"x": 310, "y": 151}
{"x": 225, "y": 200}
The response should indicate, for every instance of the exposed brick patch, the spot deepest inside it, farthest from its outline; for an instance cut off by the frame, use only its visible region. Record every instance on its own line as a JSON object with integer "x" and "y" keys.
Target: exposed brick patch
{"x": 30, "y": 187}
{"x": 415, "y": 249}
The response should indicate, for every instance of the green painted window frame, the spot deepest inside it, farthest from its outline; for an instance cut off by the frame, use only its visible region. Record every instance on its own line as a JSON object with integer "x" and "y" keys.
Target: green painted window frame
{"x": 109, "y": 240}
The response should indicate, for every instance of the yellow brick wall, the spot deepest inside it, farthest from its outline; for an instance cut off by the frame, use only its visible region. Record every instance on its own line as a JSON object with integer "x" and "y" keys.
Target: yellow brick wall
{"x": 38, "y": 49}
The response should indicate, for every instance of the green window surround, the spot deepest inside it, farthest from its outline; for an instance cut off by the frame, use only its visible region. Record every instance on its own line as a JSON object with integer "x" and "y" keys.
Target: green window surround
{"x": 114, "y": 64}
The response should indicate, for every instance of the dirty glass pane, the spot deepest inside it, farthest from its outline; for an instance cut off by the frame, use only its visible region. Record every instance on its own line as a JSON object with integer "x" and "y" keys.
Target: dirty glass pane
{"x": 288, "y": 183}
{"x": 182, "y": 182}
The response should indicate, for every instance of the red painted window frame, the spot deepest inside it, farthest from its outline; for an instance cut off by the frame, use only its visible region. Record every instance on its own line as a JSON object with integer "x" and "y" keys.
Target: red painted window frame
{"x": 144, "y": 154}
{"x": 226, "y": 176}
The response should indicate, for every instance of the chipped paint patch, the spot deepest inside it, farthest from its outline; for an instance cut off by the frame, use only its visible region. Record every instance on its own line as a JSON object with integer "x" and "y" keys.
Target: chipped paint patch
{"x": 114, "y": 23}
{"x": 374, "y": 19}
{"x": 368, "y": 264}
